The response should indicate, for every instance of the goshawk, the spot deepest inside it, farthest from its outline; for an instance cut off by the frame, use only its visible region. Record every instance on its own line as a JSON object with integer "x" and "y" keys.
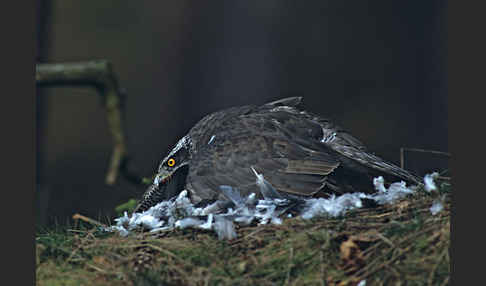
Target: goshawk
{"x": 299, "y": 153}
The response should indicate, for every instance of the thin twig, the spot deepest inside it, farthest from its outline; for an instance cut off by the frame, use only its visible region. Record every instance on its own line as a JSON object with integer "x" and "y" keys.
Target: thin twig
{"x": 96, "y": 268}
{"x": 291, "y": 257}
{"x": 385, "y": 239}
{"x": 167, "y": 252}
{"x": 403, "y": 149}
{"x": 444, "y": 178}
{"x": 87, "y": 219}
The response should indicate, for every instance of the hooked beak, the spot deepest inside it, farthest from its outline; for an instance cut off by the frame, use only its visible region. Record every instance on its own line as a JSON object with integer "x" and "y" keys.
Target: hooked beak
{"x": 163, "y": 177}
{"x": 154, "y": 193}
{"x": 165, "y": 186}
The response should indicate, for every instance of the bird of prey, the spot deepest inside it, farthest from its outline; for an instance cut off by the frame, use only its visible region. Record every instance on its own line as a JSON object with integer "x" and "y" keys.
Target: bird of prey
{"x": 299, "y": 153}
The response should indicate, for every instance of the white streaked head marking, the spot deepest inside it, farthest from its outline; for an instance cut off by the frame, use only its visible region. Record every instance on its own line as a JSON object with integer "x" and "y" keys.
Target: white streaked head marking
{"x": 183, "y": 142}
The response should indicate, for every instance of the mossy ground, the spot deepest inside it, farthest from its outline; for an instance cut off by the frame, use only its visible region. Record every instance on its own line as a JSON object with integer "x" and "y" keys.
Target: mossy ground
{"x": 394, "y": 244}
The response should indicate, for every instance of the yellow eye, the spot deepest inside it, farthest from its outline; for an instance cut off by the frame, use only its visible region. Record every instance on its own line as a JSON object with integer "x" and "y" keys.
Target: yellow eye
{"x": 171, "y": 162}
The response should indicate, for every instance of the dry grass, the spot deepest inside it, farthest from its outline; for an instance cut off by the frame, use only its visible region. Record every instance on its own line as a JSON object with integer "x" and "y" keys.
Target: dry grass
{"x": 388, "y": 245}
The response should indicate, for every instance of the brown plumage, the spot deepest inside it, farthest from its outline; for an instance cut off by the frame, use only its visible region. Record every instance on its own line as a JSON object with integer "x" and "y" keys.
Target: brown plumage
{"x": 299, "y": 153}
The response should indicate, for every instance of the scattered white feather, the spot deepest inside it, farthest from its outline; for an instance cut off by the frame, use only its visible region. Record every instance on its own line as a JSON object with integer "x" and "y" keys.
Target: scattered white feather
{"x": 224, "y": 228}
{"x": 212, "y": 208}
{"x": 379, "y": 184}
{"x": 149, "y": 222}
{"x": 437, "y": 206}
{"x": 232, "y": 194}
{"x": 362, "y": 283}
{"x": 179, "y": 212}
{"x": 251, "y": 198}
{"x": 395, "y": 192}
{"x": 334, "y": 206}
{"x": 121, "y": 230}
{"x": 266, "y": 188}
{"x": 208, "y": 224}
{"x": 188, "y": 222}
{"x": 429, "y": 181}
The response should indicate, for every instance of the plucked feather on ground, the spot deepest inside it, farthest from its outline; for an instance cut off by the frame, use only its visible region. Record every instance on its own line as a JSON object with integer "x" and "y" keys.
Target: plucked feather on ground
{"x": 179, "y": 212}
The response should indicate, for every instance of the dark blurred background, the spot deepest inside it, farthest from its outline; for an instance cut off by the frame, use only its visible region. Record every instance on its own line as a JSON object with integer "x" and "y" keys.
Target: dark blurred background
{"x": 377, "y": 68}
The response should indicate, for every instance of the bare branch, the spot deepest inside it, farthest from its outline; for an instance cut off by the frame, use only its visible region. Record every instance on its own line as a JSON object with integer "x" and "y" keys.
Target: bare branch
{"x": 98, "y": 74}
{"x": 403, "y": 149}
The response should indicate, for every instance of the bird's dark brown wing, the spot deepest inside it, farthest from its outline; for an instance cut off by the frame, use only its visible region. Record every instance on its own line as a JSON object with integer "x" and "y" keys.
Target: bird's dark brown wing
{"x": 228, "y": 160}
{"x": 296, "y": 151}
{"x": 353, "y": 154}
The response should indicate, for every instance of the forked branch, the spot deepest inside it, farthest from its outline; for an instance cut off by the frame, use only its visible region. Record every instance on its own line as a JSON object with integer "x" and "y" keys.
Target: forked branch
{"x": 98, "y": 74}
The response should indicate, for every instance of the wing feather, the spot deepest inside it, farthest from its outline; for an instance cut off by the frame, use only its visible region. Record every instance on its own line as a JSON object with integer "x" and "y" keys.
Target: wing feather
{"x": 289, "y": 167}
{"x": 296, "y": 151}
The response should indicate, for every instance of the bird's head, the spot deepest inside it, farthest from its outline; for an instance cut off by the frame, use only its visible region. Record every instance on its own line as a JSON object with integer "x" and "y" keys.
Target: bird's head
{"x": 178, "y": 157}
{"x": 171, "y": 176}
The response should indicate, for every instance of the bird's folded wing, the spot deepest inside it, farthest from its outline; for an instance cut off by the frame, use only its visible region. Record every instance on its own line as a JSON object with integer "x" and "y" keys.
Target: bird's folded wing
{"x": 302, "y": 128}
{"x": 288, "y": 166}
{"x": 374, "y": 162}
